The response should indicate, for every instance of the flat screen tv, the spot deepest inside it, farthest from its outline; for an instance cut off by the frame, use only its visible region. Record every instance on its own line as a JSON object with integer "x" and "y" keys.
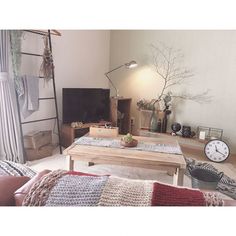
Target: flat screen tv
{"x": 85, "y": 105}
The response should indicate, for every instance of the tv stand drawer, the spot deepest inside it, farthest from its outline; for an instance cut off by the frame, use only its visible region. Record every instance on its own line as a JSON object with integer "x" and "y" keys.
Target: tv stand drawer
{"x": 68, "y": 133}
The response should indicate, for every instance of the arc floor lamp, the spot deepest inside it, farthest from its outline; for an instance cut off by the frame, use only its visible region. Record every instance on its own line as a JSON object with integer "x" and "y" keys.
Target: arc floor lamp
{"x": 128, "y": 65}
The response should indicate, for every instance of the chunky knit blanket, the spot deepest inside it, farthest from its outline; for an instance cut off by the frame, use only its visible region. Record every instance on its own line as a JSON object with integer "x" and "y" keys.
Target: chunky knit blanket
{"x": 69, "y": 188}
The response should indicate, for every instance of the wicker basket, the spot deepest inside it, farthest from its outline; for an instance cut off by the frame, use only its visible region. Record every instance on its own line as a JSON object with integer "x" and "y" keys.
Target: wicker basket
{"x": 35, "y": 154}
{"x": 37, "y": 139}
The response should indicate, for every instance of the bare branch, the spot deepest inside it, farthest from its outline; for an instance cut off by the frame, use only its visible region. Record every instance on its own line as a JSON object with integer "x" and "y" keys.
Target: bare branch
{"x": 199, "y": 98}
{"x": 168, "y": 65}
{"x": 159, "y": 51}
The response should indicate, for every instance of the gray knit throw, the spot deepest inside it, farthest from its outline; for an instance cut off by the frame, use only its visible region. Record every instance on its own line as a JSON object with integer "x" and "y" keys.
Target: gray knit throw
{"x": 79, "y": 191}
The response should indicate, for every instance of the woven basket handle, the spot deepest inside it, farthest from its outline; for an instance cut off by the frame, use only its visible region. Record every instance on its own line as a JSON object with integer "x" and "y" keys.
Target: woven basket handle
{"x": 221, "y": 174}
{"x": 190, "y": 168}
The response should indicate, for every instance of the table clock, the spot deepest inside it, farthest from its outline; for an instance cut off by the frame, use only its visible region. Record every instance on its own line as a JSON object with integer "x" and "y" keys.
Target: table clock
{"x": 217, "y": 150}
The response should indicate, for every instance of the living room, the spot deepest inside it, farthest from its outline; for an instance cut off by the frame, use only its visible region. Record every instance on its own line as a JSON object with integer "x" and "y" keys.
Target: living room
{"x": 200, "y": 101}
{"x": 88, "y": 56}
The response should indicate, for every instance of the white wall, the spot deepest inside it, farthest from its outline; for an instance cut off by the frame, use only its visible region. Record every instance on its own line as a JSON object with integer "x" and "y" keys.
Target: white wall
{"x": 211, "y": 55}
{"x": 81, "y": 57}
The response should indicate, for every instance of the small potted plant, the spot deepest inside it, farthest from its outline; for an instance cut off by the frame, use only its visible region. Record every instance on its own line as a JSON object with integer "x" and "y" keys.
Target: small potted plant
{"x": 129, "y": 141}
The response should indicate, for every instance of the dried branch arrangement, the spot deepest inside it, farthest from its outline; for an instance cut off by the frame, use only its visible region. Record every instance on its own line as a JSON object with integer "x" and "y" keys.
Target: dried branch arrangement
{"x": 47, "y": 63}
{"x": 168, "y": 64}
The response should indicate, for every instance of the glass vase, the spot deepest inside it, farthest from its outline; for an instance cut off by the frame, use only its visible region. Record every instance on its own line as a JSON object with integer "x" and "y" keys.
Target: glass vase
{"x": 153, "y": 122}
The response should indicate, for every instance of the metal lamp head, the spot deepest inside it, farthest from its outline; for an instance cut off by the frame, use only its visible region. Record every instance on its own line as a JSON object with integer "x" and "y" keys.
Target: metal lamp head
{"x": 128, "y": 65}
{"x": 131, "y": 64}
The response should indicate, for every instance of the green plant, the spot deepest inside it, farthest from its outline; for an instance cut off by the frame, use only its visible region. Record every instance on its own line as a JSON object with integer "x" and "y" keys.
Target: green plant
{"x": 128, "y": 138}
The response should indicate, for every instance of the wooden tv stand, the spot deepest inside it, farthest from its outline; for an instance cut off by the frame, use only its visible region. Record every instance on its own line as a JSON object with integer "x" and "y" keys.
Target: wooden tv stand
{"x": 117, "y": 105}
{"x": 68, "y": 134}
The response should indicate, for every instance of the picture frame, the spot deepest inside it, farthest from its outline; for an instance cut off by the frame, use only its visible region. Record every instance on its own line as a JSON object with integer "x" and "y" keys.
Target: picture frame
{"x": 210, "y": 133}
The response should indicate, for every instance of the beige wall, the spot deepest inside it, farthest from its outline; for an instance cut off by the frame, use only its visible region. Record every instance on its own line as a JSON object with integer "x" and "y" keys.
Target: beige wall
{"x": 212, "y": 56}
{"x": 81, "y": 57}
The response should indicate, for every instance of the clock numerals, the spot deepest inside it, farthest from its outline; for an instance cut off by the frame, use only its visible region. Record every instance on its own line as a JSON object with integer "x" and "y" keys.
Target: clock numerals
{"x": 216, "y": 150}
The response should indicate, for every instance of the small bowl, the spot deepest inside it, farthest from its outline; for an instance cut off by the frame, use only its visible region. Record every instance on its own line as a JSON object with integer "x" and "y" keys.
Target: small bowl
{"x": 133, "y": 143}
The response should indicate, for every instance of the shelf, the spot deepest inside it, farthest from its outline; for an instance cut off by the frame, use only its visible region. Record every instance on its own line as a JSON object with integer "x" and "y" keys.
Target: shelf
{"x": 121, "y": 105}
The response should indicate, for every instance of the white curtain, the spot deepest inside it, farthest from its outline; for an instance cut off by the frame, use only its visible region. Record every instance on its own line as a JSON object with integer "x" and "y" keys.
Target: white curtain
{"x": 10, "y": 138}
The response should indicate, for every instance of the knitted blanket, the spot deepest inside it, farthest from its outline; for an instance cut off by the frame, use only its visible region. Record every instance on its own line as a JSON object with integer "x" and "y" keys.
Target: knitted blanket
{"x": 69, "y": 188}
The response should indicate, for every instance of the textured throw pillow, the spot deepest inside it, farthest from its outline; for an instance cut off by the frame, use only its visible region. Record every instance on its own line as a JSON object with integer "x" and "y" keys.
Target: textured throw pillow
{"x": 15, "y": 169}
{"x": 8, "y": 185}
{"x": 21, "y": 192}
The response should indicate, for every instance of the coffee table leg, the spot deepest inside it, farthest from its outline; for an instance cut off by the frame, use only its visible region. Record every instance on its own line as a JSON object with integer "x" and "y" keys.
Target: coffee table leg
{"x": 178, "y": 178}
{"x": 69, "y": 163}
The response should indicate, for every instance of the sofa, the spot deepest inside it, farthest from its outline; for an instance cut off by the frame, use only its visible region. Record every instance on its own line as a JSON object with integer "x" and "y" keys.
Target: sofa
{"x": 71, "y": 188}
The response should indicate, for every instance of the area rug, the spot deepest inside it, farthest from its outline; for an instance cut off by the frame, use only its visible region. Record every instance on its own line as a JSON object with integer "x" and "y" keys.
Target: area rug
{"x": 226, "y": 185}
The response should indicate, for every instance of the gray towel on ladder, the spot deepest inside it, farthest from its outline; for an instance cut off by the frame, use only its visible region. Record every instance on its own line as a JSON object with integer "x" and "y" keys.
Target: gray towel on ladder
{"x": 29, "y": 100}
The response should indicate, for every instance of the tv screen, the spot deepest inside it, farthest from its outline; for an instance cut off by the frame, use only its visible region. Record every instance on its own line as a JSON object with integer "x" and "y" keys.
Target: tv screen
{"x": 85, "y": 105}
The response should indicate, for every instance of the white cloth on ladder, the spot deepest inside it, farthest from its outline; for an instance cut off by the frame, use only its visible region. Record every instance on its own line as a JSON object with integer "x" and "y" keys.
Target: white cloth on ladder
{"x": 29, "y": 100}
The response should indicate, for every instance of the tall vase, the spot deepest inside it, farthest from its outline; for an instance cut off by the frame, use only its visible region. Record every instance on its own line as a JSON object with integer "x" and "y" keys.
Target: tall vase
{"x": 164, "y": 124}
{"x": 153, "y": 122}
{"x": 163, "y": 119}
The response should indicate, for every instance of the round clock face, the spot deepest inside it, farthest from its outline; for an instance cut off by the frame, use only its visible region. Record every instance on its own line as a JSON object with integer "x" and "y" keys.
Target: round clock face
{"x": 217, "y": 150}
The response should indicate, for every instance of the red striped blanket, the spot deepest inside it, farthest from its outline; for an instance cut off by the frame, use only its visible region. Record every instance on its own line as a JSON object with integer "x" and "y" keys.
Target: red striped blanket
{"x": 68, "y": 188}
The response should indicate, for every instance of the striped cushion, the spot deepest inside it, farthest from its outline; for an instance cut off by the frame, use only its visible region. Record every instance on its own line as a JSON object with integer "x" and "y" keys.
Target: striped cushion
{"x": 15, "y": 169}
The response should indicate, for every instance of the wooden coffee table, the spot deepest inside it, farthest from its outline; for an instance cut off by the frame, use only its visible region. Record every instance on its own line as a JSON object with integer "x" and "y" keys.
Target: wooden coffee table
{"x": 173, "y": 163}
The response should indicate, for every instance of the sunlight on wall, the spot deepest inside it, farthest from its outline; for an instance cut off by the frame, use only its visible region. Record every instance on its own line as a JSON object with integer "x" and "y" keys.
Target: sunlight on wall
{"x": 140, "y": 81}
{"x": 145, "y": 78}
